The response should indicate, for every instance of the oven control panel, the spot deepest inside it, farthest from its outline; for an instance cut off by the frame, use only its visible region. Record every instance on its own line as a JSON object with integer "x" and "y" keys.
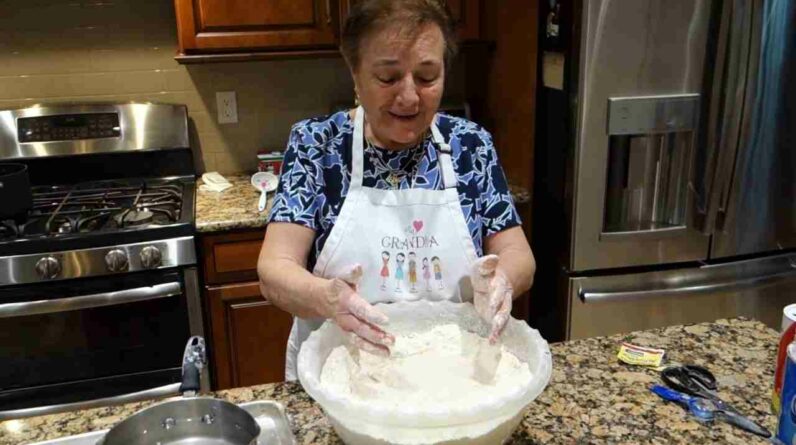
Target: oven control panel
{"x": 65, "y": 127}
{"x": 97, "y": 261}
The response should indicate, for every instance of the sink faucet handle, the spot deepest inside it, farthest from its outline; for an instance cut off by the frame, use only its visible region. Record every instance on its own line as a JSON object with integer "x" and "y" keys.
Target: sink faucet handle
{"x": 195, "y": 352}
{"x": 193, "y": 360}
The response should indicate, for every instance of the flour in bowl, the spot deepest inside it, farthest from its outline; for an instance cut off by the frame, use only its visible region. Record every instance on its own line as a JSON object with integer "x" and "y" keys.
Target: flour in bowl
{"x": 434, "y": 369}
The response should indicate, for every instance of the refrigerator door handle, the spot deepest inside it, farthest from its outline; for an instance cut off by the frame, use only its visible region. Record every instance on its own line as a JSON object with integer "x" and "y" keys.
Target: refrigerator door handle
{"x": 774, "y": 277}
{"x": 727, "y": 115}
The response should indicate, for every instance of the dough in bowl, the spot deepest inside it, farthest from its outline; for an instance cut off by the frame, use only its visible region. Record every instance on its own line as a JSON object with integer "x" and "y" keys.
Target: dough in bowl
{"x": 435, "y": 368}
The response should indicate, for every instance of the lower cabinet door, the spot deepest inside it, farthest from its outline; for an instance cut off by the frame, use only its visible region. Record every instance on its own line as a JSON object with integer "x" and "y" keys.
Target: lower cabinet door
{"x": 249, "y": 336}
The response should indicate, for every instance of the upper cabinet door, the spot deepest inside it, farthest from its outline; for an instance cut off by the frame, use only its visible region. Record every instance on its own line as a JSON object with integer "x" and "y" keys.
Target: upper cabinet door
{"x": 466, "y": 15}
{"x": 270, "y": 25}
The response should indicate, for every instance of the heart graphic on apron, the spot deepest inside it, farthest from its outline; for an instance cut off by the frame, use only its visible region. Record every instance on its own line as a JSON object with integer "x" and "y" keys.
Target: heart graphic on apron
{"x": 418, "y": 224}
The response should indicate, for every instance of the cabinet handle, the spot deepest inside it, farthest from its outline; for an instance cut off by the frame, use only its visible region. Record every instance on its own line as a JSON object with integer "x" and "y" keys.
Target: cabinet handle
{"x": 328, "y": 12}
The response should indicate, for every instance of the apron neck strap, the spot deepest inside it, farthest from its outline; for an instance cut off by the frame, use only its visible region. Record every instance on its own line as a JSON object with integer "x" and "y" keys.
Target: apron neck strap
{"x": 358, "y": 148}
{"x": 444, "y": 155}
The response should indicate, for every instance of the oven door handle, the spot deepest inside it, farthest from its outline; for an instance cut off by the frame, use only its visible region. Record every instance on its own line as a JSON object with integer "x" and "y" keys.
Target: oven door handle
{"x": 163, "y": 290}
{"x": 172, "y": 389}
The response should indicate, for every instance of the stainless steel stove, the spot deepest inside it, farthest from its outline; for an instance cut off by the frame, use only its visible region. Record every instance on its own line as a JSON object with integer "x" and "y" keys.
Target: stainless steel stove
{"x": 98, "y": 281}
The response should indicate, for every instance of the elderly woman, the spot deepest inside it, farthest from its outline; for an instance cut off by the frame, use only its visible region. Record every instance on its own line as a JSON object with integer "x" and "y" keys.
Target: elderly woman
{"x": 364, "y": 190}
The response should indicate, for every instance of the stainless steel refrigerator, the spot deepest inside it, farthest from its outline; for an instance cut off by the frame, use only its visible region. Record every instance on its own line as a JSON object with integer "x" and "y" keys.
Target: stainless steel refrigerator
{"x": 665, "y": 178}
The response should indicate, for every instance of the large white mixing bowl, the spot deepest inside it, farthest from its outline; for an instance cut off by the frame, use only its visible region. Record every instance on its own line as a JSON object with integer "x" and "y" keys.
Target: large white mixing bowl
{"x": 490, "y": 421}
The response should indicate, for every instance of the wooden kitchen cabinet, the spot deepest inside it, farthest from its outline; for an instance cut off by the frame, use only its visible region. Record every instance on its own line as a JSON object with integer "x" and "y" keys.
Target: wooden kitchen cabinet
{"x": 214, "y": 30}
{"x": 231, "y": 257}
{"x": 224, "y": 30}
{"x": 466, "y": 14}
{"x": 248, "y": 335}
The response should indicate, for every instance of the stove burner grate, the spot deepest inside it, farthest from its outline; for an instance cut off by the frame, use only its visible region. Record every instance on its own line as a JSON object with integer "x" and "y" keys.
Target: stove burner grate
{"x": 97, "y": 206}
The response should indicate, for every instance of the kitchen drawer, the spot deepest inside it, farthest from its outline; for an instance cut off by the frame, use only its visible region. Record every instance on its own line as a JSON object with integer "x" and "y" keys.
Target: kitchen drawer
{"x": 231, "y": 257}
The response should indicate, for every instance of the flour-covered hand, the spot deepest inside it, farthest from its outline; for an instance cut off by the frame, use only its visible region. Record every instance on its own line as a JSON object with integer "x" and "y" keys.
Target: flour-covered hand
{"x": 492, "y": 294}
{"x": 355, "y": 315}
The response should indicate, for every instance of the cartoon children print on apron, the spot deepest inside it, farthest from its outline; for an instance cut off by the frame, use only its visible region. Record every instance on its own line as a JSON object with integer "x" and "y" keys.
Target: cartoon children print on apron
{"x": 405, "y": 250}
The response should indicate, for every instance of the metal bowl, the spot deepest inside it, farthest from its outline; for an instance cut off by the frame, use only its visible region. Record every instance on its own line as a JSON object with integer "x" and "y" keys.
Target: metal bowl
{"x": 204, "y": 420}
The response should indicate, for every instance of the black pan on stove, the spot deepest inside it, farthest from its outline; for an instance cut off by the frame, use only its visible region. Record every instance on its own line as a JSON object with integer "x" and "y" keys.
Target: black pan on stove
{"x": 15, "y": 195}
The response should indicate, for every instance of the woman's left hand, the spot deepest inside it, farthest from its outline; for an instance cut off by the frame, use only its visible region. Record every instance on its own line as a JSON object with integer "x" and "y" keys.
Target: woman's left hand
{"x": 492, "y": 294}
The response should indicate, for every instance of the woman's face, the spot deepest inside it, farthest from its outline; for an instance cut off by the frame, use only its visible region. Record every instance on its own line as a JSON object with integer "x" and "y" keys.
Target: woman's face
{"x": 400, "y": 80}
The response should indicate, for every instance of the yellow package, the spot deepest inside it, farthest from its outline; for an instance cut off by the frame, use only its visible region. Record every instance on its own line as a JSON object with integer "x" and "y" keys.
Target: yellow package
{"x": 639, "y": 355}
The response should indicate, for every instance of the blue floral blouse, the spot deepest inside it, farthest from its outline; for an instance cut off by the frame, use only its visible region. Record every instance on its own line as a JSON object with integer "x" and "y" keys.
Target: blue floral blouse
{"x": 317, "y": 169}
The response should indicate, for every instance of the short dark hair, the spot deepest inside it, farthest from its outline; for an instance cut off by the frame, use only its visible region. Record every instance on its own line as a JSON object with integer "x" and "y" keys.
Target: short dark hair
{"x": 367, "y": 16}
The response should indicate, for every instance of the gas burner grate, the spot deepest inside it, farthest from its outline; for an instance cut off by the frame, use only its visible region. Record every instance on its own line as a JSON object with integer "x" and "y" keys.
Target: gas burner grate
{"x": 98, "y": 206}
{"x": 8, "y": 230}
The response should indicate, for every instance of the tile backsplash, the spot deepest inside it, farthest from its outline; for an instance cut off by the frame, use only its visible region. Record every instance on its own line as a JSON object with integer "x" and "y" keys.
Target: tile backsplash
{"x": 123, "y": 50}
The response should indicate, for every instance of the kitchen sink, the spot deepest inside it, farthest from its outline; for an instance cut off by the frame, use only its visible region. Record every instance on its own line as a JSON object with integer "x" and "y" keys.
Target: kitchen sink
{"x": 270, "y": 416}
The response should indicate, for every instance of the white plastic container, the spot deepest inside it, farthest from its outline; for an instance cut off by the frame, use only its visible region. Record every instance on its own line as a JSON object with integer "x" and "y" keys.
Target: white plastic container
{"x": 490, "y": 421}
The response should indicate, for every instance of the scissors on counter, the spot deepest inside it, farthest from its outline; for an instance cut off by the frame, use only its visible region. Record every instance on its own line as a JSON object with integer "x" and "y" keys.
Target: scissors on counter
{"x": 695, "y": 387}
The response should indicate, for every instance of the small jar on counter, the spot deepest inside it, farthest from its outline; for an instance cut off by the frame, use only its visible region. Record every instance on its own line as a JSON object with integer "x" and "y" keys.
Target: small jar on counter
{"x": 270, "y": 161}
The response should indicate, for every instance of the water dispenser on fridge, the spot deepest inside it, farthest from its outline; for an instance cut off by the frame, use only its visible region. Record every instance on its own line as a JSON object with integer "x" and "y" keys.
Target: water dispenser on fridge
{"x": 651, "y": 141}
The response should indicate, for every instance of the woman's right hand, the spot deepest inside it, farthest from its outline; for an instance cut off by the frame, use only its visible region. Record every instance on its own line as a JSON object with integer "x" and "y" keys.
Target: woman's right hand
{"x": 355, "y": 315}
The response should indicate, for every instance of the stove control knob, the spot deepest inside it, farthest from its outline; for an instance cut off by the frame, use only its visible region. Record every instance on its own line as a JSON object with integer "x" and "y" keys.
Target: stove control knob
{"x": 150, "y": 257}
{"x": 116, "y": 260}
{"x": 48, "y": 267}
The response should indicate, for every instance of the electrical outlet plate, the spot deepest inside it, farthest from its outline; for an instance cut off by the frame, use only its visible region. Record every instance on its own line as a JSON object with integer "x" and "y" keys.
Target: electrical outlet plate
{"x": 227, "y": 107}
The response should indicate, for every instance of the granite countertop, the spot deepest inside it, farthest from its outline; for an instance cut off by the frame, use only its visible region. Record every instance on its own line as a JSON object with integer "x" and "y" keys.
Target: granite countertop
{"x": 236, "y": 207}
{"x": 592, "y": 398}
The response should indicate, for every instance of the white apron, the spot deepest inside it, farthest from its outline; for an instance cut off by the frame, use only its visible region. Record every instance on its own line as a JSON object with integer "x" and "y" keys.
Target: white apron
{"x": 411, "y": 243}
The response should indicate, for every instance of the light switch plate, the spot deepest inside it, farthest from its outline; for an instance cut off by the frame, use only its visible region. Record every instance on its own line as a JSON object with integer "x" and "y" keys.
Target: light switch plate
{"x": 227, "y": 107}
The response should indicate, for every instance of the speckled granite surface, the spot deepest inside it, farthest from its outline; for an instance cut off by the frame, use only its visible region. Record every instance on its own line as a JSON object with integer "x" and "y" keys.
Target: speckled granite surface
{"x": 236, "y": 207}
{"x": 592, "y": 398}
